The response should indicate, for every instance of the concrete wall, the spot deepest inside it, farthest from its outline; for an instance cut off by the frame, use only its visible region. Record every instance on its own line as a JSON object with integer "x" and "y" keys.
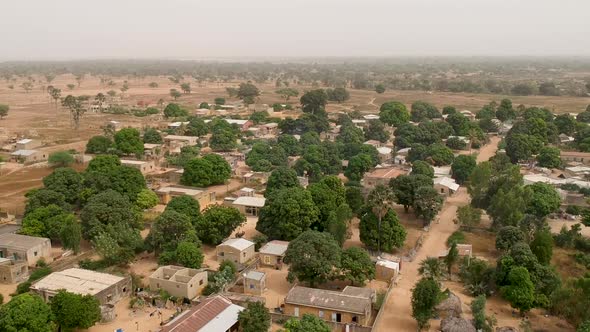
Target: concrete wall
{"x": 12, "y": 274}
{"x": 384, "y": 274}
{"x": 183, "y": 286}
{"x": 270, "y": 260}
{"x": 30, "y": 256}
{"x": 112, "y": 294}
{"x": 229, "y": 253}
{"x": 255, "y": 287}
{"x": 345, "y": 317}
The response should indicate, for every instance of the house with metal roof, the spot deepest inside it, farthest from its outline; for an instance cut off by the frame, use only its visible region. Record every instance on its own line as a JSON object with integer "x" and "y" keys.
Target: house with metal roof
{"x": 272, "y": 253}
{"x": 249, "y": 205}
{"x": 237, "y": 250}
{"x": 445, "y": 185}
{"x": 214, "y": 314}
{"x": 352, "y": 305}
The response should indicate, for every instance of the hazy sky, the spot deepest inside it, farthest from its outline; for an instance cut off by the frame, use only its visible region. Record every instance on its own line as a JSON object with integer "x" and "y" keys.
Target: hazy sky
{"x": 65, "y": 29}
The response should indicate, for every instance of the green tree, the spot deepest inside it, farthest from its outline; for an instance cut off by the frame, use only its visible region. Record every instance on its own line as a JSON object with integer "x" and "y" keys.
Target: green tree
{"x": 223, "y": 140}
{"x": 208, "y": 170}
{"x": 422, "y": 111}
{"x": 4, "y": 110}
{"x": 542, "y": 246}
{"x": 254, "y": 318}
{"x": 167, "y": 231}
{"x": 146, "y": 199}
{"x": 338, "y": 95}
{"x": 43, "y": 221}
{"x": 186, "y": 205}
{"x": 76, "y": 107}
{"x": 404, "y": 188}
{"x": 60, "y": 159}
{"x": 196, "y": 127}
{"x": 358, "y": 166}
{"x": 425, "y": 296}
{"x": 542, "y": 199}
{"x": 128, "y": 141}
{"x": 70, "y": 233}
{"x": 356, "y": 266}
{"x": 468, "y": 215}
{"x": 189, "y": 254}
{"x": 462, "y": 168}
{"x": 376, "y": 131}
{"x": 431, "y": 268}
{"x": 217, "y": 223}
{"x": 427, "y": 203}
{"x": 307, "y": 323}
{"x": 520, "y": 291}
{"x": 173, "y": 110}
{"x": 120, "y": 212}
{"x": 174, "y": 94}
{"x": 379, "y": 88}
{"x": 185, "y": 87}
{"x": 248, "y": 92}
{"x": 287, "y": 93}
{"x": 38, "y": 198}
{"x": 565, "y": 123}
{"x": 312, "y": 257}
{"x": 287, "y": 214}
{"x": 153, "y": 136}
{"x": 452, "y": 257}
{"x": 354, "y": 198}
{"x": 314, "y": 101}
{"x": 259, "y": 117}
{"x": 280, "y": 178}
{"x": 549, "y": 157}
{"x": 218, "y": 101}
{"x": 507, "y": 237}
{"x": 507, "y": 207}
{"x": 394, "y": 113}
{"x": 26, "y": 312}
{"x": 459, "y": 122}
{"x": 65, "y": 181}
{"x": 74, "y": 311}
{"x": 456, "y": 143}
{"x": 420, "y": 167}
{"x": 391, "y": 236}
{"x": 99, "y": 145}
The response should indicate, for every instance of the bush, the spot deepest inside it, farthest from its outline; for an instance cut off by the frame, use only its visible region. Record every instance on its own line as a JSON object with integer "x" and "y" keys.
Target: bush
{"x": 60, "y": 159}
{"x": 457, "y": 237}
{"x": 259, "y": 240}
{"x": 573, "y": 210}
{"x": 39, "y": 273}
{"x": 94, "y": 265}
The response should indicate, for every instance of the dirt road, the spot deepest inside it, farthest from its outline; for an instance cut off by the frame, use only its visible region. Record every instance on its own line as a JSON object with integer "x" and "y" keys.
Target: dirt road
{"x": 397, "y": 315}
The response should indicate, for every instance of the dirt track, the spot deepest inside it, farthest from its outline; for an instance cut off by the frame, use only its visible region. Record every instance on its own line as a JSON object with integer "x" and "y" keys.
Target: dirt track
{"x": 397, "y": 314}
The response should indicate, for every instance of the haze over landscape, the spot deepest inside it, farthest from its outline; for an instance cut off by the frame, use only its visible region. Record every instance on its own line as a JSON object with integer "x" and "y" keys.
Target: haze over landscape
{"x": 72, "y": 29}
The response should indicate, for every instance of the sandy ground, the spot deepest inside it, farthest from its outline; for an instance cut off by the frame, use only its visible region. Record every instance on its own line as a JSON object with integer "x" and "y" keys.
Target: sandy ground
{"x": 556, "y": 225}
{"x": 134, "y": 320}
{"x": 277, "y": 286}
{"x": 398, "y": 309}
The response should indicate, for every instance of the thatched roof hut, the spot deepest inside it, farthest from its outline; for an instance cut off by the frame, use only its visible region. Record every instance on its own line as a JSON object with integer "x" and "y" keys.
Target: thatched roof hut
{"x": 451, "y": 307}
{"x": 455, "y": 324}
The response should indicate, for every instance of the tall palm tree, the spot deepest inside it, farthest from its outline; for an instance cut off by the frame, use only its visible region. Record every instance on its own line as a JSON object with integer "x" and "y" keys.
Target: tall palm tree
{"x": 380, "y": 199}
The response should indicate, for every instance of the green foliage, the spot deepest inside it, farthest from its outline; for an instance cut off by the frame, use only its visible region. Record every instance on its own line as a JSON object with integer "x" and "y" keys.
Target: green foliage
{"x": 287, "y": 93}
{"x": 354, "y": 198}
{"x": 376, "y": 131}
{"x": 313, "y": 101}
{"x": 542, "y": 199}
{"x": 477, "y": 276}
{"x": 422, "y": 111}
{"x": 480, "y": 320}
{"x": 128, "y": 141}
{"x": 189, "y": 254}
{"x": 196, "y": 127}
{"x": 74, "y": 311}
{"x": 507, "y": 237}
{"x": 542, "y": 246}
{"x": 404, "y": 187}
{"x": 425, "y": 296}
{"x": 358, "y": 166}
{"x": 379, "y": 88}
{"x": 146, "y": 199}
{"x": 105, "y": 172}
{"x": 520, "y": 291}
{"x": 357, "y": 266}
{"x": 427, "y": 203}
{"x": 4, "y": 110}
{"x": 338, "y": 95}
{"x": 287, "y": 214}
{"x": 153, "y": 136}
{"x": 262, "y": 153}
{"x": 462, "y": 168}
{"x": 468, "y": 215}
{"x": 549, "y": 157}
{"x": 186, "y": 205}
{"x": 173, "y": 110}
{"x": 38, "y": 198}
{"x": 209, "y": 170}
{"x": 432, "y": 268}
{"x": 254, "y": 318}
{"x": 60, "y": 159}
{"x": 248, "y": 92}
{"x": 217, "y": 223}
{"x": 307, "y": 323}
{"x": 312, "y": 257}
{"x": 455, "y": 143}
{"x": 420, "y": 167}
{"x": 168, "y": 230}
{"x": 25, "y": 313}
{"x": 280, "y": 178}
{"x": 70, "y": 233}
{"x": 328, "y": 195}
{"x": 452, "y": 256}
{"x": 65, "y": 181}
{"x": 394, "y": 113}
{"x": 45, "y": 221}
{"x": 456, "y": 237}
{"x": 391, "y": 235}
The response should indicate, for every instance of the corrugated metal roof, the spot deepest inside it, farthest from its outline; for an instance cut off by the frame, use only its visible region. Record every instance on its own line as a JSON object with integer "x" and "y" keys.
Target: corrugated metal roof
{"x": 320, "y": 298}
{"x": 78, "y": 281}
{"x": 212, "y": 315}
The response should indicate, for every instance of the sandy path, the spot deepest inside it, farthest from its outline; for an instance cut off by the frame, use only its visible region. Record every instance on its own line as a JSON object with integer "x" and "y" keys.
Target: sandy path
{"x": 398, "y": 309}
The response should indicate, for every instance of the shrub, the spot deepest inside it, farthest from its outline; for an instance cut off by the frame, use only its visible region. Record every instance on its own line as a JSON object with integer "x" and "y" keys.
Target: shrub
{"x": 457, "y": 237}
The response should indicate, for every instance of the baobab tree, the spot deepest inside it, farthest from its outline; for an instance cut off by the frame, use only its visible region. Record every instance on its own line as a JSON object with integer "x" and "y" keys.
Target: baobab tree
{"x": 76, "y": 107}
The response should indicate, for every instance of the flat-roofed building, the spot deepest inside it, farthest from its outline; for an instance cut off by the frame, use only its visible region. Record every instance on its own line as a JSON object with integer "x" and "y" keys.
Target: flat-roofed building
{"x": 28, "y": 156}
{"x": 29, "y": 249}
{"x": 143, "y": 166}
{"x": 106, "y": 288}
{"x": 237, "y": 250}
{"x": 381, "y": 176}
{"x": 179, "y": 281}
{"x": 249, "y": 205}
{"x": 27, "y": 144}
{"x": 352, "y": 305}
{"x": 203, "y": 197}
{"x": 254, "y": 282}
{"x": 272, "y": 253}
{"x": 575, "y": 156}
{"x": 12, "y": 272}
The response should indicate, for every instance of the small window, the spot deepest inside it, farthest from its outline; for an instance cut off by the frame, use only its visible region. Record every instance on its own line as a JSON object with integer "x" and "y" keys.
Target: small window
{"x": 35, "y": 254}
{"x": 333, "y": 316}
{"x": 296, "y": 312}
{"x": 321, "y": 314}
{"x": 244, "y": 254}
{"x": 222, "y": 254}
{"x": 442, "y": 190}
{"x": 251, "y": 286}
{"x": 200, "y": 282}
{"x": 177, "y": 286}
